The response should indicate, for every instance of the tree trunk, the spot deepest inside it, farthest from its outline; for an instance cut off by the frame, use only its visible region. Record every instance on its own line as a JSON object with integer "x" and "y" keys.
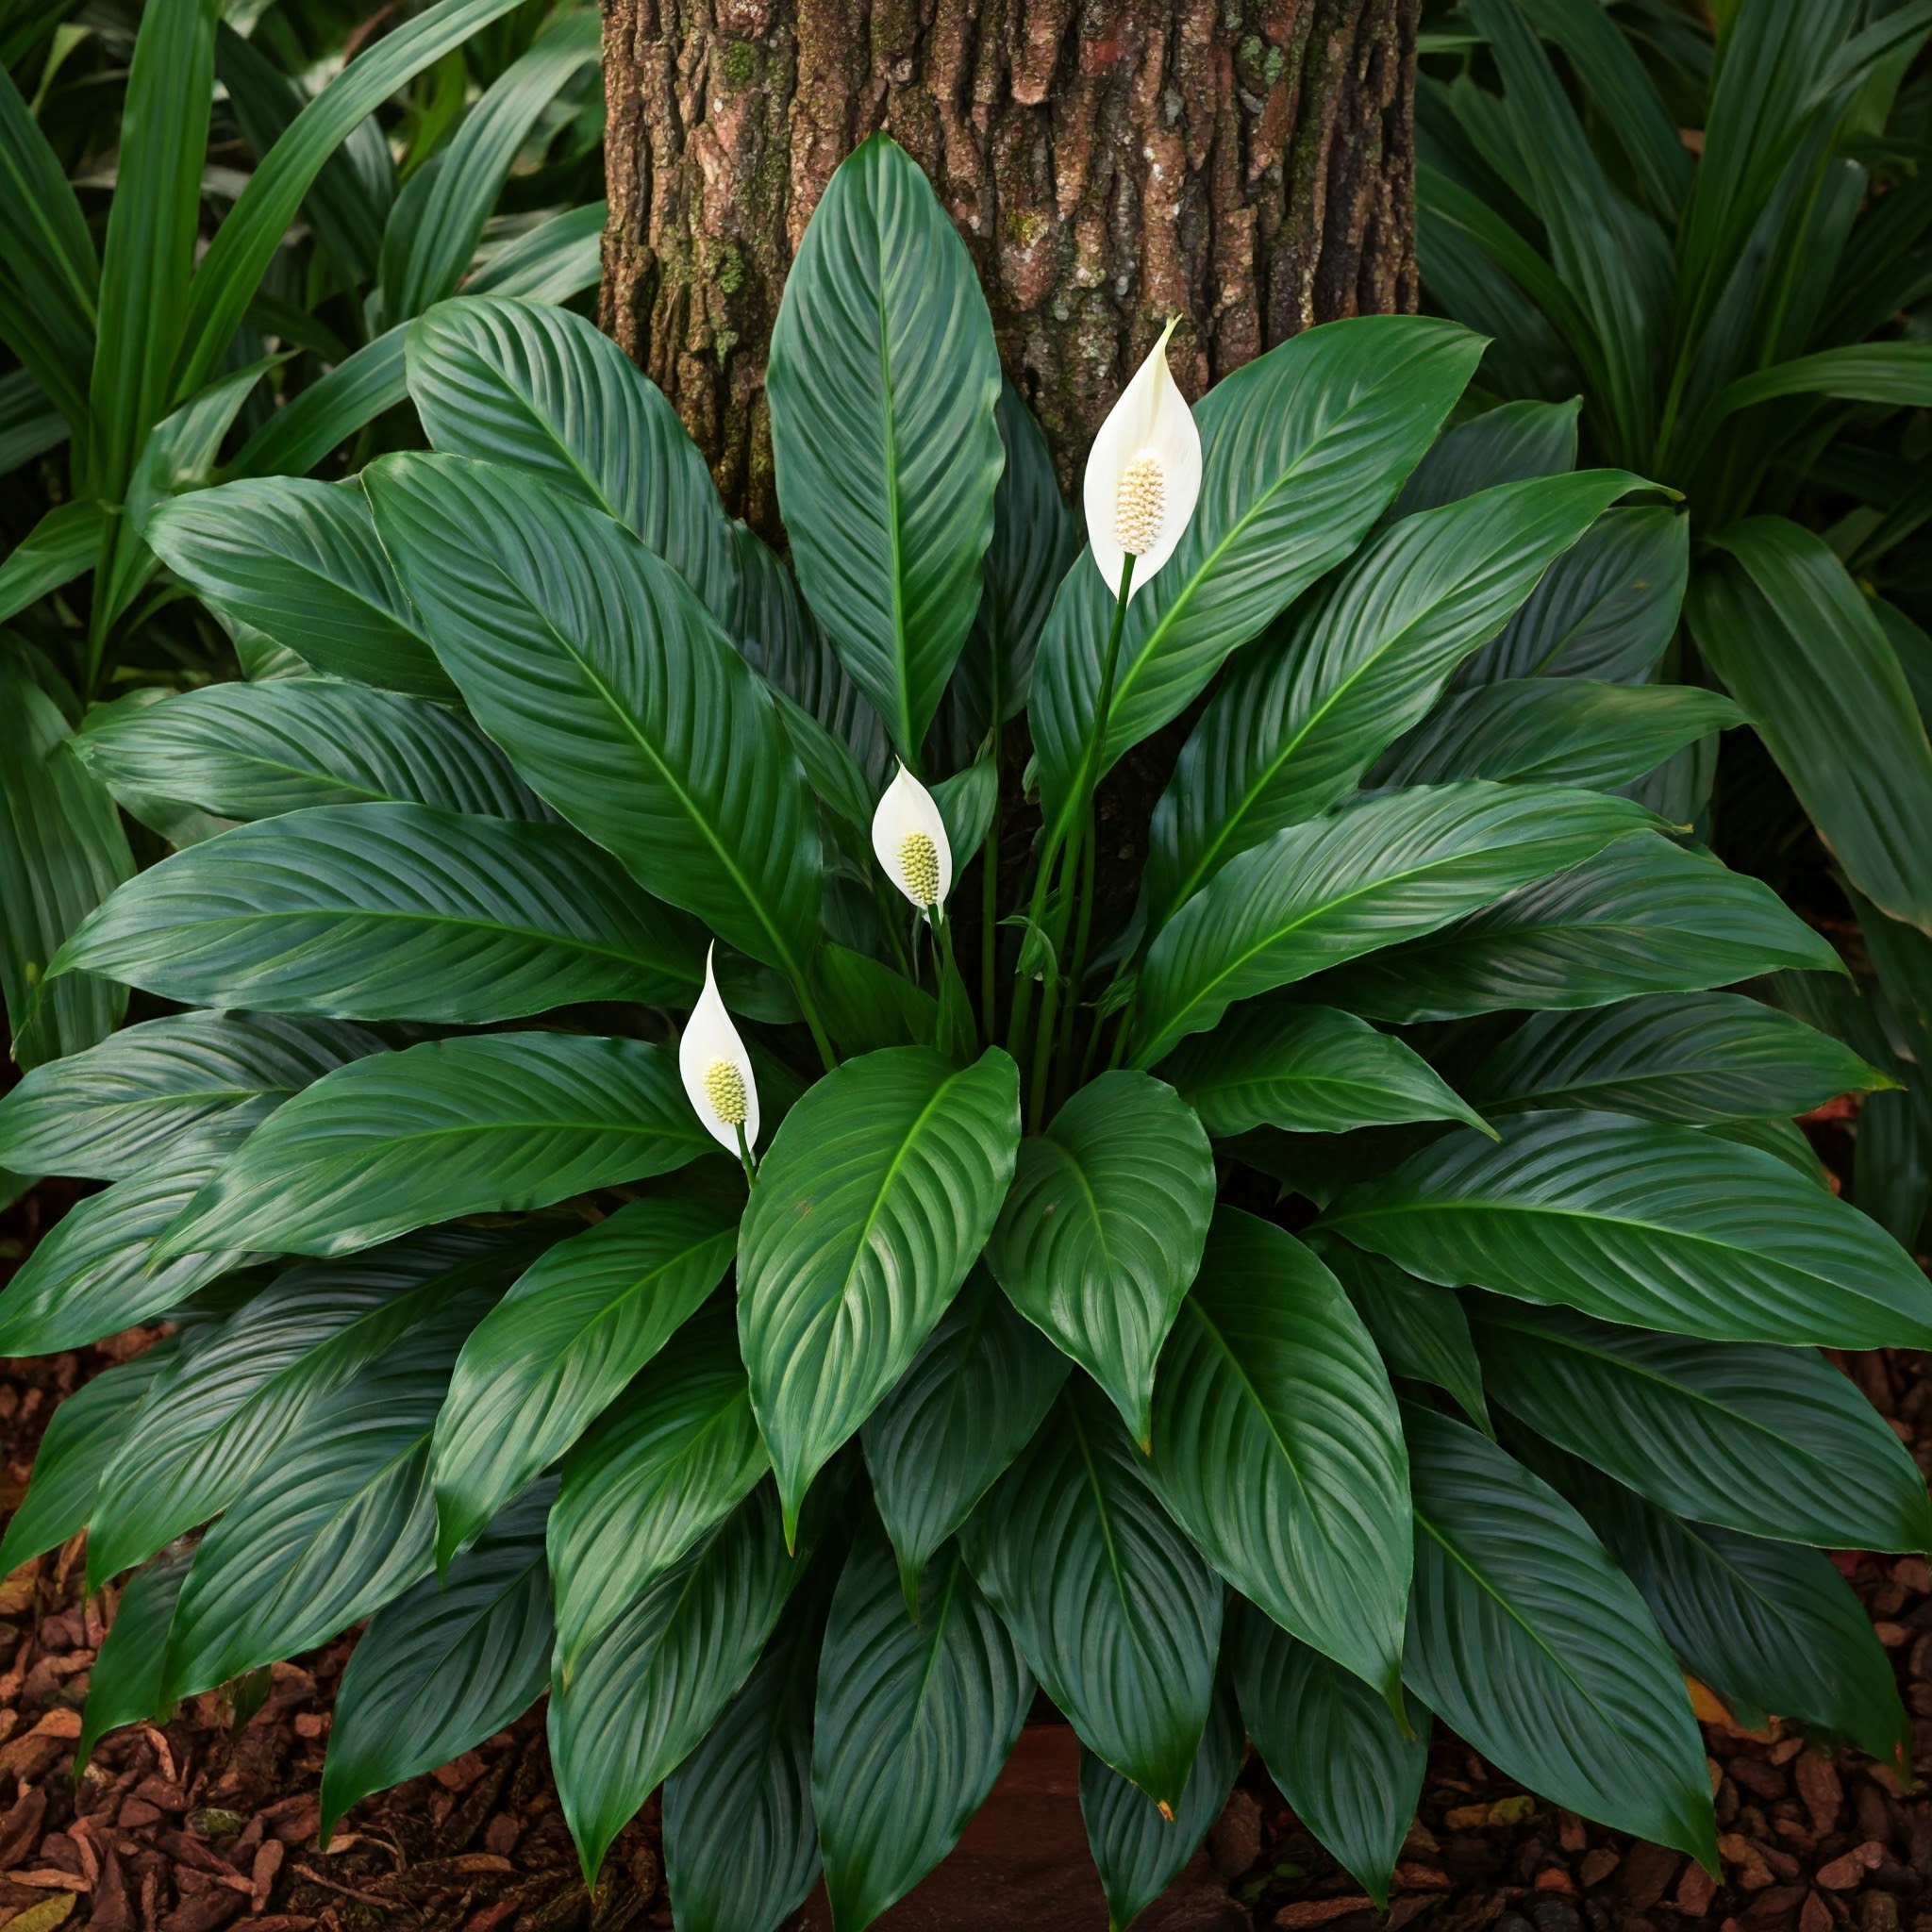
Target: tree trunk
{"x": 1246, "y": 164}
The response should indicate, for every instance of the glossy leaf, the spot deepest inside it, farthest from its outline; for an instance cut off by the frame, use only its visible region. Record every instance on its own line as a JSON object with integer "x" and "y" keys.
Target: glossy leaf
{"x": 251, "y": 751}
{"x": 1303, "y": 714}
{"x": 109, "y": 1112}
{"x": 1109, "y": 1604}
{"x": 300, "y": 561}
{"x": 1606, "y": 609}
{"x": 547, "y": 393}
{"x": 1331, "y": 1745}
{"x": 1784, "y": 625}
{"x": 1770, "y": 1440}
{"x": 1103, "y": 1228}
{"x": 445, "y": 1665}
{"x": 1277, "y": 1449}
{"x": 1135, "y": 1850}
{"x": 1388, "y": 868}
{"x": 616, "y": 696}
{"x": 1508, "y": 444}
{"x": 882, "y": 380}
{"x": 124, "y": 1685}
{"x": 877, "y": 1194}
{"x": 1696, "y": 1057}
{"x": 391, "y": 913}
{"x": 96, "y": 1271}
{"x": 554, "y": 1354}
{"x": 1529, "y": 1641}
{"x": 1307, "y": 1070}
{"x": 1420, "y": 1328}
{"x": 646, "y": 1692}
{"x": 740, "y": 1839}
{"x": 1641, "y": 916}
{"x": 969, "y": 1404}
{"x": 1632, "y": 1221}
{"x": 1301, "y": 449}
{"x": 486, "y": 1125}
{"x": 658, "y": 1471}
{"x": 915, "y": 1716}
{"x": 1556, "y": 731}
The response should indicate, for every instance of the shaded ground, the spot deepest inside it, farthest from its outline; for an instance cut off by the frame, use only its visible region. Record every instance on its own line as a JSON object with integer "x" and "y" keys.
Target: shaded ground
{"x": 204, "y": 1822}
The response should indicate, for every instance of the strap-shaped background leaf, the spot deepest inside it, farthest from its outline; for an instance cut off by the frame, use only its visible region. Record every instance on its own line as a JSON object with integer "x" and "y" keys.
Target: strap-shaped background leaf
{"x": 548, "y": 394}
{"x": 446, "y": 1664}
{"x": 1633, "y": 1222}
{"x": 478, "y": 1125}
{"x": 1301, "y": 450}
{"x": 1135, "y": 1850}
{"x": 299, "y": 562}
{"x": 1303, "y": 714}
{"x": 1700, "y": 1057}
{"x": 1277, "y": 1447}
{"x": 646, "y": 1692}
{"x": 969, "y": 1404}
{"x": 616, "y": 694}
{"x": 877, "y": 1194}
{"x": 1102, "y": 1227}
{"x": 1537, "y": 1649}
{"x": 1307, "y": 1070}
{"x": 1110, "y": 1605}
{"x": 1643, "y": 916}
{"x": 393, "y": 912}
{"x": 250, "y": 751}
{"x": 1331, "y": 1745}
{"x": 914, "y": 1718}
{"x": 882, "y": 381}
{"x": 1772, "y": 1441}
{"x": 1386, "y": 868}
{"x": 109, "y": 1111}
{"x": 556, "y": 1351}
{"x": 662, "y": 1467}
{"x": 124, "y": 1685}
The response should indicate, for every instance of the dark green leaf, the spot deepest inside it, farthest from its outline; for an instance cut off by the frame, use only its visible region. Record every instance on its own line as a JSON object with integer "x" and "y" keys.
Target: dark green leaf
{"x": 1510, "y": 445}
{"x": 328, "y": 412}
{"x": 1770, "y": 1440}
{"x": 391, "y": 913}
{"x": 1307, "y": 1070}
{"x": 866, "y": 1004}
{"x": 915, "y": 1716}
{"x": 1539, "y": 1650}
{"x": 494, "y": 1124}
{"x": 969, "y": 1404}
{"x": 445, "y": 1665}
{"x": 1301, "y": 449}
{"x": 1420, "y": 1328}
{"x": 619, "y": 699}
{"x": 1631, "y": 1221}
{"x": 1137, "y": 1851}
{"x": 1331, "y": 1745}
{"x": 251, "y": 751}
{"x": 662, "y": 1467}
{"x": 1103, "y": 1228}
{"x": 1304, "y": 713}
{"x": 124, "y": 1683}
{"x": 1322, "y": 893}
{"x": 1110, "y": 1605}
{"x": 1277, "y": 1449}
{"x": 882, "y": 381}
{"x": 1643, "y": 916}
{"x": 111, "y": 1110}
{"x": 877, "y": 1194}
{"x": 646, "y": 1692}
{"x": 1696, "y": 1057}
{"x": 554, "y": 1354}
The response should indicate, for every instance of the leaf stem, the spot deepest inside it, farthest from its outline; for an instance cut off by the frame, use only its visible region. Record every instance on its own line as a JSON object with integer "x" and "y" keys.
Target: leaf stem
{"x": 744, "y": 1160}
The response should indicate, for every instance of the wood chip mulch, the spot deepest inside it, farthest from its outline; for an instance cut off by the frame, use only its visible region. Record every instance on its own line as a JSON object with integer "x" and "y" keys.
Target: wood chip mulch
{"x": 205, "y": 1821}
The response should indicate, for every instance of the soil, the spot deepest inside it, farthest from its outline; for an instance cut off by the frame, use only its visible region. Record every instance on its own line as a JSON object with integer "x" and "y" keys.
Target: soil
{"x": 207, "y": 1822}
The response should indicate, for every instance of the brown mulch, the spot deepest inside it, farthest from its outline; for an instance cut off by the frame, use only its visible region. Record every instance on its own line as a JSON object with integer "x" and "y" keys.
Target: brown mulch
{"x": 207, "y": 1822}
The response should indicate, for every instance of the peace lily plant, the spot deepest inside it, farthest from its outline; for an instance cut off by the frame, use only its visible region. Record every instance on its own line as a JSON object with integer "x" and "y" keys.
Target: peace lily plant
{"x": 686, "y": 1170}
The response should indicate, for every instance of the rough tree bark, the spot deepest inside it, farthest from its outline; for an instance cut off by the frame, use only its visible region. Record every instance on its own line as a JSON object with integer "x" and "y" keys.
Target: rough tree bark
{"x": 1244, "y": 164}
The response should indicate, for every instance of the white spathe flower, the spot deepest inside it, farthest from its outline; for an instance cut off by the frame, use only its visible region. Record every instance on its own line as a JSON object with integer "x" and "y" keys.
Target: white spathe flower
{"x": 717, "y": 1070}
{"x": 1144, "y": 475}
{"x": 910, "y": 838}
